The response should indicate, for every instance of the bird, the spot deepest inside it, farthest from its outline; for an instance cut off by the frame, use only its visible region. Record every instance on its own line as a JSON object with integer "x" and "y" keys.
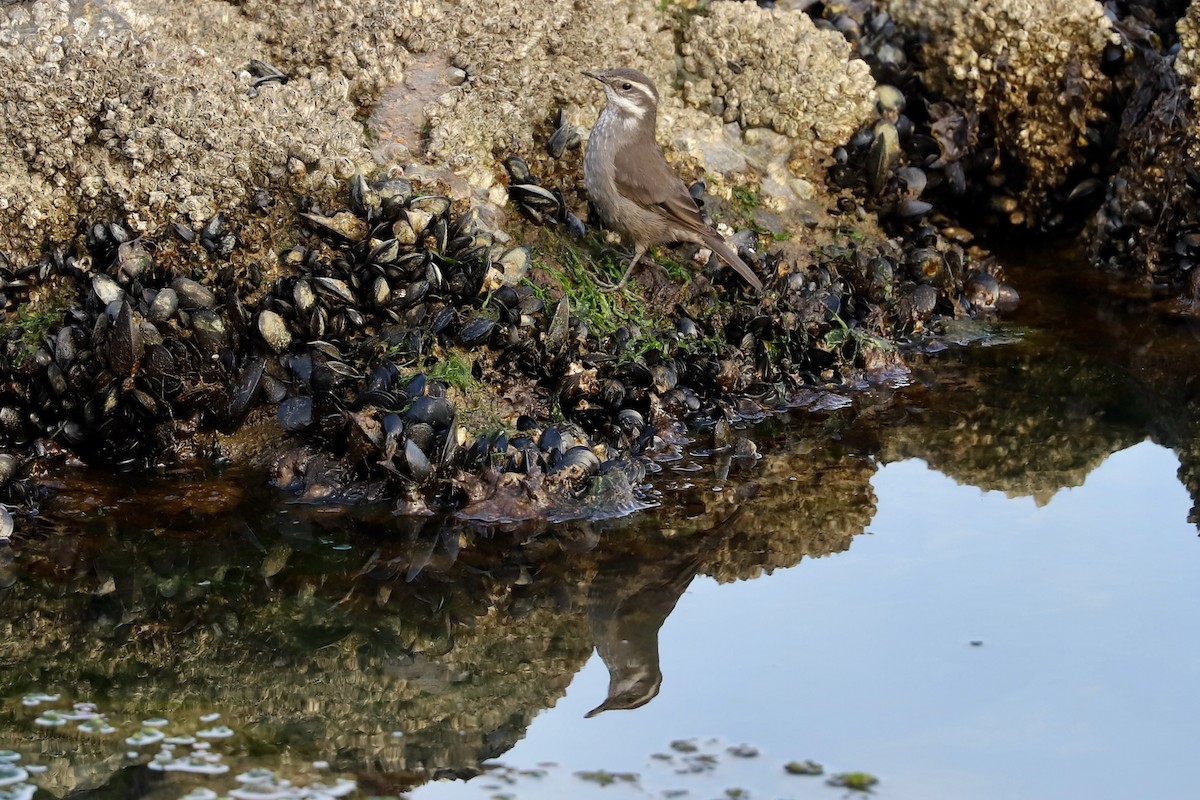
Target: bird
{"x": 630, "y": 183}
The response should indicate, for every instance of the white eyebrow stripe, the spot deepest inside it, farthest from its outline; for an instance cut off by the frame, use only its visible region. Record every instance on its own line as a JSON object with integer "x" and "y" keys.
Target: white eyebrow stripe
{"x": 644, "y": 89}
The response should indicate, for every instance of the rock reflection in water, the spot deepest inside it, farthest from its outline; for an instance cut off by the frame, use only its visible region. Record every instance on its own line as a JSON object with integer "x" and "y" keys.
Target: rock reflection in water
{"x": 320, "y": 632}
{"x": 1024, "y": 420}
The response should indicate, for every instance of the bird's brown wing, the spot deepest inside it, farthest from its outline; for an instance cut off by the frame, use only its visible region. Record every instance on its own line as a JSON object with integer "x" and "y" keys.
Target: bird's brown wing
{"x": 652, "y": 184}
{"x": 655, "y": 186}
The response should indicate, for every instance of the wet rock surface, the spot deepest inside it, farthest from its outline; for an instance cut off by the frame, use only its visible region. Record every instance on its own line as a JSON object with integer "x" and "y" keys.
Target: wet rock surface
{"x": 1148, "y": 216}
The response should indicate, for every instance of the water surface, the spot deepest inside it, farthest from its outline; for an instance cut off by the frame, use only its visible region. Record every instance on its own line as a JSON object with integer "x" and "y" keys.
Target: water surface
{"x": 977, "y": 585}
{"x": 1080, "y": 686}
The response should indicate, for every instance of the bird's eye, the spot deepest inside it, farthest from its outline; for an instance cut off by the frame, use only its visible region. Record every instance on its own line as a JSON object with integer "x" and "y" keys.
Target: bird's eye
{"x": 626, "y": 86}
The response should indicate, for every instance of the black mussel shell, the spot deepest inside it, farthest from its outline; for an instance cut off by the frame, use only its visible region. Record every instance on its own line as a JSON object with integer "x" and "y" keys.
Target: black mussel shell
{"x": 419, "y": 466}
{"x": 436, "y": 411}
{"x": 295, "y": 414}
{"x": 518, "y": 170}
{"x": 476, "y": 332}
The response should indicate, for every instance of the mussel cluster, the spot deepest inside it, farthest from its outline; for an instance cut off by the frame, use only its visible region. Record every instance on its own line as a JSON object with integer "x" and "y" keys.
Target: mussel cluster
{"x": 818, "y": 312}
{"x": 1134, "y": 184}
{"x": 110, "y": 364}
{"x": 134, "y": 361}
{"x": 921, "y": 155}
{"x": 1149, "y": 220}
{"x": 536, "y": 203}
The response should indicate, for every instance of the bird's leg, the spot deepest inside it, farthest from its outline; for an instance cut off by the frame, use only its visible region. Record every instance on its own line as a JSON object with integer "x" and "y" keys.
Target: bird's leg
{"x": 606, "y": 287}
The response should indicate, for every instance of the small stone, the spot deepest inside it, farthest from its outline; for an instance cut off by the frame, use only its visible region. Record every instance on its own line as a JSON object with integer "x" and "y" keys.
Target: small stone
{"x": 743, "y": 751}
{"x": 854, "y": 781}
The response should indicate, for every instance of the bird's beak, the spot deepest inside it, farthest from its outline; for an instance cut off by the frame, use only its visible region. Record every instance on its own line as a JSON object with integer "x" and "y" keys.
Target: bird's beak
{"x": 590, "y": 74}
{"x": 603, "y": 706}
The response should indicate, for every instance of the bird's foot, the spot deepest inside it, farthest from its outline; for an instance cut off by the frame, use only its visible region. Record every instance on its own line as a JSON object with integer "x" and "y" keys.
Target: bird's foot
{"x": 608, "y": 287}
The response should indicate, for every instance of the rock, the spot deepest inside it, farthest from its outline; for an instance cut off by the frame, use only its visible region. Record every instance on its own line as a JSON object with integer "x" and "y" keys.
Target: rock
{"x": 1032, "y": 67}
{"x": 774, "y": 68}
{"x": 146, "y": 113}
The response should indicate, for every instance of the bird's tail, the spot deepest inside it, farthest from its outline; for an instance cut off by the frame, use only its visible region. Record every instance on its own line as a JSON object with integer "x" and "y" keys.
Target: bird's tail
{"x": 714, "y": 242}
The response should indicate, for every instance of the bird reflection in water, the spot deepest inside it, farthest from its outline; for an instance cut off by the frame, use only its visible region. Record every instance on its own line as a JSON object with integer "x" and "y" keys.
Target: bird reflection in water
{"x": 628, "y": 601}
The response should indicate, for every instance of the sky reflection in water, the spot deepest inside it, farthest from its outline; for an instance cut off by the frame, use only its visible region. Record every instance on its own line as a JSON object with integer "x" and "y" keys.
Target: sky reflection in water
{"x": 1088, "y": 611}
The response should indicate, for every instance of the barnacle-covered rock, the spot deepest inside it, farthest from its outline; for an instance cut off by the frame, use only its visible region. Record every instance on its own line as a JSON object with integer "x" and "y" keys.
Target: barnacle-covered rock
{"x": 97, "y": 118}
{"x": 1187, "y": 63}
{"x": 1032, "y": 68}
{"x": 162, "y": 116}
{"x": 774, "y": 68}
{"x": 540, "y": 66}
{"x": 1149, "y": 222}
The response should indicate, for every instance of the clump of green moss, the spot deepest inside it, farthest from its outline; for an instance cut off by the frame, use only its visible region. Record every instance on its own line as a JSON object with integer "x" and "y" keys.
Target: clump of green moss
{"x": 27, "y": 332}
{"x": 745, "y": 200}
{"x": 605, "y": 312}
{"x": 455, "y": 369}
{"x": 856, "y": 340}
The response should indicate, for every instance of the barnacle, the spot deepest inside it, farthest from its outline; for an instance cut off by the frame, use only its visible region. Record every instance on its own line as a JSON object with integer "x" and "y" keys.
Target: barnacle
{"x": 774, "y": 68}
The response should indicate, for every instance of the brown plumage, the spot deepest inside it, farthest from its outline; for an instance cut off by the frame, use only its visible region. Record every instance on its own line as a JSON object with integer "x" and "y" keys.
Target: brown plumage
{"x": 630, "y": 182}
